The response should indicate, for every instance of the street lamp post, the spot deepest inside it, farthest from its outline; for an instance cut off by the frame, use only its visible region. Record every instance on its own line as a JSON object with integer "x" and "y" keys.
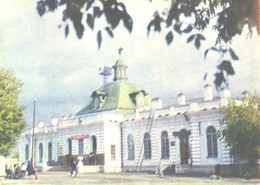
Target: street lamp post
{"x": 32, "y": 159}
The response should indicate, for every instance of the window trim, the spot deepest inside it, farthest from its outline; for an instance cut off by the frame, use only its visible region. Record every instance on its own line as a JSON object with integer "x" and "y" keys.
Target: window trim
{"x": 165, "y": 149}
{"x": 27, "y": 152}
{"x": 130, "y": 147}
{"x": 212, "y": 142}
{"x": 40, "y": 152}
{"x": 147, "y": 146}
{"x": 80, "y": 146}
{"x": 50, "y": 151}
{"x": 113, "y": 152}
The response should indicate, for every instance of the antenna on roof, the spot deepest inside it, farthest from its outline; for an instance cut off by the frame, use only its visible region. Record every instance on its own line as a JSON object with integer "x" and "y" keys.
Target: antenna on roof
{"x": 105, "y": 72}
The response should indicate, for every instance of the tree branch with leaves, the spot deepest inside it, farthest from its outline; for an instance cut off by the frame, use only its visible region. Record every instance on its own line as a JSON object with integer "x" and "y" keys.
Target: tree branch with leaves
{"x": 227, "y": 18}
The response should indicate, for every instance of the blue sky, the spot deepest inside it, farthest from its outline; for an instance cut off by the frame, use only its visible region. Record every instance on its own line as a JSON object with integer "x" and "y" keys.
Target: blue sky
{"x": 61, "y": 73}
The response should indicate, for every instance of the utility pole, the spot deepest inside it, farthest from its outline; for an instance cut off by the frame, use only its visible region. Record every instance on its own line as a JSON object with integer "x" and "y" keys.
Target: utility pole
{"x": 33, "y": 140}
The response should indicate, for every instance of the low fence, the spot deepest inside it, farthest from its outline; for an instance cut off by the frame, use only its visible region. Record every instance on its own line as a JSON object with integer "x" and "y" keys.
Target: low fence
{"x": 90, "y": 159}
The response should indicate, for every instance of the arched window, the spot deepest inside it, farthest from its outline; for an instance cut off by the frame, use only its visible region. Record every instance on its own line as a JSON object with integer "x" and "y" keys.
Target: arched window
{"x": 93, "y": 144}
{"x": 147, "y": 146}
{"x": 212, "y": 142}
{"x": 69, "y": 146}
{"x": 49, "y": 151}
{"x": 26, "y": 152}
{"x": 40, "y": 152}
{"x": 130, "y": 144}
{"x": 165, "y": 145}
{"x": 80, "y": 146}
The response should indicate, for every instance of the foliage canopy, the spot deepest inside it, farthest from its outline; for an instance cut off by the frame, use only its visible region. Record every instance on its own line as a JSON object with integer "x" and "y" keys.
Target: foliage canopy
{"x": 11, "y": 114}
{"x": 240, "y": 127}
{"x": 186, "y": 17}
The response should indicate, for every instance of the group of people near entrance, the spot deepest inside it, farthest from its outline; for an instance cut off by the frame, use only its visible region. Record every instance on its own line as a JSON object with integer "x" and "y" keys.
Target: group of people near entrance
{"x": 20, "y": 172}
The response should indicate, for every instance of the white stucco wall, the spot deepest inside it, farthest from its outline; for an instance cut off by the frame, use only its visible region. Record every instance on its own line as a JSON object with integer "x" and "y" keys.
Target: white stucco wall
{"x": 112, "y": 137}
{"x": 106, "y": 128}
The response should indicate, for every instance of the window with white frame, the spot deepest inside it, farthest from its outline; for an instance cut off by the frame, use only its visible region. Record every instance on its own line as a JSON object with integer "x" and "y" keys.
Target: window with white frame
{"x": 40, "y": 152}
{"x": 49, "y": 151}
{"x": 130, "y": 144}
{"x": 26, "y": 152}
{"x": 147, "y": 146}
{"x": 80, "y": 146}
{"x": 212, "y": 142}
{"x": 113, "y": 152}
{"x": 165, "y": 145}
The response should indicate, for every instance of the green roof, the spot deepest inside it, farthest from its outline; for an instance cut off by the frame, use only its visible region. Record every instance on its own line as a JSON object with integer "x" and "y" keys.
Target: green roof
{"x": 118, "y": 95}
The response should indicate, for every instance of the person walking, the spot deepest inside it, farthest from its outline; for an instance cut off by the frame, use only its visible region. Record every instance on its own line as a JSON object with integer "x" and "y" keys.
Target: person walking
{"x": 71, "y": 160}
{"x": 74, "y": 169}
{"x": 158, "y": 169}
{"x": 31, "y": 170}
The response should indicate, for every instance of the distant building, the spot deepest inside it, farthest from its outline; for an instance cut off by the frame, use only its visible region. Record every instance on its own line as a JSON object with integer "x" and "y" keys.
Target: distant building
{"x": 122, "y": 129}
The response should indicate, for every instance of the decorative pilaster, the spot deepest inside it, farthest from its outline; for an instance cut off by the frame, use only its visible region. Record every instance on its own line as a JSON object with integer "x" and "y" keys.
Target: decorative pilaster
{"x": 74, "y": 144}
{"x": 195, "y": 144}
{"x": 226, "y": 153}
{"x": 54, "y": 150}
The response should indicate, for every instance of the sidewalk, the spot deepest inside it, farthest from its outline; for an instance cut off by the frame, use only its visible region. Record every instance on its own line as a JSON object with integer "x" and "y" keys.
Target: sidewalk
{"x": 62, "y": 178}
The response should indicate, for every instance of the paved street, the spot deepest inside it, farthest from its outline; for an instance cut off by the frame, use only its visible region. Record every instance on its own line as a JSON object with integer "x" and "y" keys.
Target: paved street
{"x": 62, "y": 178}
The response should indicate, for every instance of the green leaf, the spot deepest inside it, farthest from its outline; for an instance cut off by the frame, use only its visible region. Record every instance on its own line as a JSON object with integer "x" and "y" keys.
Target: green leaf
{"x": 200, "y": 37}
{"x": 51, "y": 4}
{"x": 89, "y": 4}
{"x": 41, "y": 8}
{"x": 109, "y": 31}
{"x": 169, "y": 37}
{"x": 66, "y": 30}
{"x": 190, "y": 38}
{"x": 113, "y": 15}
{"x": 149, "y": 27}
{"x": 177, "y": 27}
{"x": 226, "y": 66}
{"x": 197, "y": 43}
{"x": 205, "y": 76}
{"x": 233, "y": 54}
{"x": 188, "y": 29}
{"x": 157, "y": 23}
{"x": 97, "y": 12}
{"x": 128, "y": 22}
{"x": 214, "y": 49}
{"x": 205, "y": 53}
{"x": 219, "y": 79}
{"x": 79, "y": 29}
{"x": 90, "y": 21}
{"x": 99, "y": 39}
{"x": 207, "y": 50}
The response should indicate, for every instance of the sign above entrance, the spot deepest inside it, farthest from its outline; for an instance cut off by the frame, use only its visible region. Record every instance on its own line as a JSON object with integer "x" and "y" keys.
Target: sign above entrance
{"x": 79, "y": 137}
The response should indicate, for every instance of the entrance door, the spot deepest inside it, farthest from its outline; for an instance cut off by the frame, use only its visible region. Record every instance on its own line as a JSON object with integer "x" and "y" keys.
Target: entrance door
{"x": 184, "y": 146}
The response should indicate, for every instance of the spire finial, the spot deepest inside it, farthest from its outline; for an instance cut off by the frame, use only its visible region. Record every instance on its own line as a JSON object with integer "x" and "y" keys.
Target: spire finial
{"x": 120, "y": 51}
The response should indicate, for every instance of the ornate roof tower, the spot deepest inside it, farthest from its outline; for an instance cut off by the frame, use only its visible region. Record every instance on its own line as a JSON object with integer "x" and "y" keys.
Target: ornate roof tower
{"x": 119, "y": 95}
